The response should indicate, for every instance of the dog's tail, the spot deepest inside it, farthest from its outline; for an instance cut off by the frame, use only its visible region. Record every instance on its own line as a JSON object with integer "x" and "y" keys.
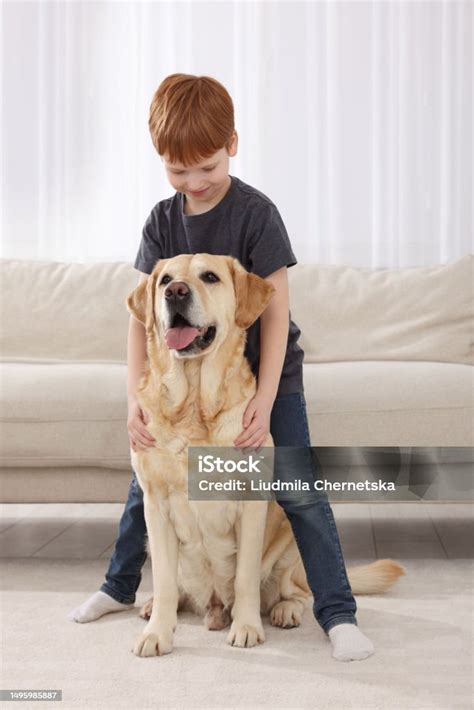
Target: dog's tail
{"x": 375, "y": 578}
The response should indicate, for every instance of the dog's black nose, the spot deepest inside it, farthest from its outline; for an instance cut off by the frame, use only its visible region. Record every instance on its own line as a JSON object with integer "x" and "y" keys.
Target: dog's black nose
{"x": 177, "y": 291}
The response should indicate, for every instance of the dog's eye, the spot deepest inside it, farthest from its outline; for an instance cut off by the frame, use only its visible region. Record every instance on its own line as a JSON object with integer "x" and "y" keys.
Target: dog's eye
{"x": 165, "y": 280}
{"x": 210, "y": 277}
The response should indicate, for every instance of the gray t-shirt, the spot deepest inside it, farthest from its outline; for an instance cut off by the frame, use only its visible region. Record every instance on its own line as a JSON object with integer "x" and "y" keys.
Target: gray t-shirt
{"x": 244, "y": 224}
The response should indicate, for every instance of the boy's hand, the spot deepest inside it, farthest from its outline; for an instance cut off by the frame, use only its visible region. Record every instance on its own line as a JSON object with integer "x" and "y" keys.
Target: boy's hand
{"x": 139, "y": 436}
{"x": 256, "y": 423}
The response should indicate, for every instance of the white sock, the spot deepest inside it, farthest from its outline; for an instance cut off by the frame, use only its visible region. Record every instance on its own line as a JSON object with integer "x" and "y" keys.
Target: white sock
{"x": 96, "y": 606}
{"x": 349, "y": 643}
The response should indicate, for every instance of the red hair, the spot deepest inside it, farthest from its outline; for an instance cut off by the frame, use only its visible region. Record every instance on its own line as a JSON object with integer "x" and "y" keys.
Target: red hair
{"x": 191, "y": 118}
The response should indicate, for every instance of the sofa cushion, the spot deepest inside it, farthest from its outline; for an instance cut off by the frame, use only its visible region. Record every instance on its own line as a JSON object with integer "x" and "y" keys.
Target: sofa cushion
{"x": 52, "y": 311}
{"x": 68, "y": 415}
{"x": 64, "y": 414}
{"x": 389, "y": 403}
{"x": 347, "y": 313}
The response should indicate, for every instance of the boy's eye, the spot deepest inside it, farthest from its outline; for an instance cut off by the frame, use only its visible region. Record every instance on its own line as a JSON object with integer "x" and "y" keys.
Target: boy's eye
{"x": 165, "y": 280}
{"x": 208, "y": 170}
{"x": 210, "y": 277}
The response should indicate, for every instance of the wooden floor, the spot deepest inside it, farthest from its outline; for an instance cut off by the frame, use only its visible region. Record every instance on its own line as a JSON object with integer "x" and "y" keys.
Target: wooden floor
{"x": 367, "y": 531}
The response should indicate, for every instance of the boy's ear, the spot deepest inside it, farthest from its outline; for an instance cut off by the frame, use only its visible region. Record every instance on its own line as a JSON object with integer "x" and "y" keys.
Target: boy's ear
{"x": 141, "y": 301}
{"x": 233, "y": 144}
{"x": 252, "y": 294}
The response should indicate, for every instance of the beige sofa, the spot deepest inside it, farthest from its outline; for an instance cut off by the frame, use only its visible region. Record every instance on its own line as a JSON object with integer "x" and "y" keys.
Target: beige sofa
{"x": 388, "y": 362}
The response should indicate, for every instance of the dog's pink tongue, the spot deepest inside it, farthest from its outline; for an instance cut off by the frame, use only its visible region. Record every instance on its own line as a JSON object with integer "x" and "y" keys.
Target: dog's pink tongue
{"x": 179, "y": 338}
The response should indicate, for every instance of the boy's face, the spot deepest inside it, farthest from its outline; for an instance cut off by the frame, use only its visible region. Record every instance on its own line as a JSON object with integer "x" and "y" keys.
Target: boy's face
{"x": 205, "y": 180}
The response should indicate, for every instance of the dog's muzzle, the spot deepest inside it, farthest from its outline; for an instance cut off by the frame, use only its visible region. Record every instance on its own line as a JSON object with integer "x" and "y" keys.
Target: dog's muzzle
{"x": 182, "y": 335}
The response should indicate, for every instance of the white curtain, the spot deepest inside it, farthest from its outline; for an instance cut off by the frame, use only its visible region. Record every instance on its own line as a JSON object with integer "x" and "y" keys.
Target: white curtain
{"x": 355, "y": 118}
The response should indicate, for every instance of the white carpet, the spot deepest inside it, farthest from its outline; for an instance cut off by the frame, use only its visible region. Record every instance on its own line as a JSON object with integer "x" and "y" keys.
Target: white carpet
{"x": 422, "y": 631}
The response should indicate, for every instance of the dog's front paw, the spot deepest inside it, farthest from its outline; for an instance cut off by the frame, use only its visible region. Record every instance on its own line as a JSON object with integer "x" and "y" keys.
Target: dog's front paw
{"x": 286, "y": 614}
{"x": 245, "y": 635}
{"x": 153, "y": 643}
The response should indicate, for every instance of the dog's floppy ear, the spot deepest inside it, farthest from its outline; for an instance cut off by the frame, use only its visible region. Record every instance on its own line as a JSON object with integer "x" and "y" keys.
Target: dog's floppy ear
{"x": 252, "y": 294}
{"x": 136, "y": 301}
{"x": 140, "y": 301}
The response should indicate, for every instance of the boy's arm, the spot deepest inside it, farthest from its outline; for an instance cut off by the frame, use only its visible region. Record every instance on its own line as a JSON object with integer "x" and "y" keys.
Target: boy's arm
{"x": 274, "y": 325}
{"x": 140, "y": 437}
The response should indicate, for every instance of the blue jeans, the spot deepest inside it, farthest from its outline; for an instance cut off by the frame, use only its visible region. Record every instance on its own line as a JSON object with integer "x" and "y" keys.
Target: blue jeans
{"x": 309, "y": 513}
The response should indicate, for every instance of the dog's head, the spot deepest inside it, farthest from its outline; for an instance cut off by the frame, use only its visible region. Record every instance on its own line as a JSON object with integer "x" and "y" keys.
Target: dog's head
{"x": 195, "y": 299}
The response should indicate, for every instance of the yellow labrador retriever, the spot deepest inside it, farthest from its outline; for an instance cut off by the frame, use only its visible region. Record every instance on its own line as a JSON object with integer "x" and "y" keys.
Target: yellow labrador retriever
{"x": 228, "y": 560}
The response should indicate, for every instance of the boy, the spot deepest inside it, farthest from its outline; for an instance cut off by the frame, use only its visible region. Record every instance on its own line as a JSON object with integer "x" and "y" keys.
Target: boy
{"x": 192, "y": 128}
